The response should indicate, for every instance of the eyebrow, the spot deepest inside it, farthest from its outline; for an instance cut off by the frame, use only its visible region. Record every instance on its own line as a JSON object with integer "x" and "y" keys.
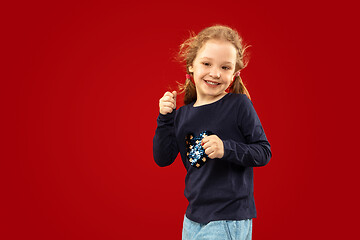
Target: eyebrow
{"x": 213, "y": 59}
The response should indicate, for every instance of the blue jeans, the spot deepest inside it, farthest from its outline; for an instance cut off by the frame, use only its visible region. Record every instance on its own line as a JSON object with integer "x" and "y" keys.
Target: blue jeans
{"x": 217, "y": 230}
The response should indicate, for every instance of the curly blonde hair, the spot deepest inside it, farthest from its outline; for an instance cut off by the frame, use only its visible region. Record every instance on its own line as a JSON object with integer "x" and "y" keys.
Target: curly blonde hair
{"x": 189, "y": 49}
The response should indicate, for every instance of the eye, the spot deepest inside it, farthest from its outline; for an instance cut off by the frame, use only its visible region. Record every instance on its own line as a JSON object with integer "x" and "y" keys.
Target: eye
{"x": 226, "y": 68}
{"x": 206, "y": 63}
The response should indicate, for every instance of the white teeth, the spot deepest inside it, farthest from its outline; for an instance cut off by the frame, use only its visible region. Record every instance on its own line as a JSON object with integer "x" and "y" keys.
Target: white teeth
{"x": 212, "y": 83}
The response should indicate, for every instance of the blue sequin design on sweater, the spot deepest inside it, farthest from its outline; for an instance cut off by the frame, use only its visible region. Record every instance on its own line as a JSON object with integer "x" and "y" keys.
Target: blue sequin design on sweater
{"x": 195, "y": 152}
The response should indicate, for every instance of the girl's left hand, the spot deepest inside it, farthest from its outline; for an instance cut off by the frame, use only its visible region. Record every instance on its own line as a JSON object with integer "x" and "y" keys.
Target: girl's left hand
{"x": 213, "y": 146}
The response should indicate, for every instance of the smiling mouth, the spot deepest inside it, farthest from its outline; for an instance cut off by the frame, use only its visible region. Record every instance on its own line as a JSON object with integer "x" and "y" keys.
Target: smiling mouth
{"x": 211, "y": 83}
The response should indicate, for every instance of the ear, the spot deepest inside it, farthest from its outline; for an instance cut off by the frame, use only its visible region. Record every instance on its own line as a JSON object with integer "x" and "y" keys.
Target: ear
{"x": 191, "y": 69}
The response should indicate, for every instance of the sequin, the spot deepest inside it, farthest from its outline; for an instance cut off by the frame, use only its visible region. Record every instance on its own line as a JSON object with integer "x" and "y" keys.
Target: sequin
{"x": 195, "y": 152}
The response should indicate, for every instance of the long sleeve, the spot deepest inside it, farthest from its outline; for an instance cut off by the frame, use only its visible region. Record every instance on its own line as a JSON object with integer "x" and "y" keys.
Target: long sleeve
{"x": 255, "y": 152}
{"x": 165, "y": 148}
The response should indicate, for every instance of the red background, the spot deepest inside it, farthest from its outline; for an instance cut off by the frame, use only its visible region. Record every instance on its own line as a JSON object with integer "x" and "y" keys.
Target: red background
{"x": 80, "y": 85}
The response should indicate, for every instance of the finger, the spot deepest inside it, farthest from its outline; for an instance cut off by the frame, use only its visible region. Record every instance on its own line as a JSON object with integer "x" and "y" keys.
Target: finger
{"x": 166, "y": 110}
{"x": 170, "y": 99}
{"x": 209, "y": 151}
{"x": 212, "y": 155}
{"x": 211, "y": 137}
{"x": 204, "y": 140}
{"x": 168, "y": 94}
{"x": 167, "y": 99}
{"x": 206, "y": 145}
{"x": 171, "y": 94}
{"x": 168, "y": 104}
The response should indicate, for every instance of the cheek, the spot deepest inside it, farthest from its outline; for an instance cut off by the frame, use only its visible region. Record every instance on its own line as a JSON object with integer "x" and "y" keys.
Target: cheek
{"x": 199, "y": 70}
{"x": 199, "y": 73}
{"x": 229, "y": 78}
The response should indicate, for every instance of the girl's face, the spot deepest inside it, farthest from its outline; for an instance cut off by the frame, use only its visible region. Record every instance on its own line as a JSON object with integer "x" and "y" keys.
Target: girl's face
{"x": 213, "y": 70}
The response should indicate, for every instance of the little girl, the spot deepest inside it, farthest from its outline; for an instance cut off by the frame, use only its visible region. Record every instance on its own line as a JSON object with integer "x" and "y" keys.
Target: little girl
{"x": 219, "y": 137}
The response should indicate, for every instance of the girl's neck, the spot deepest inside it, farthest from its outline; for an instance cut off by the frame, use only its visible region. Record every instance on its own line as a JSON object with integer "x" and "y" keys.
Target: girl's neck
{"x": 204, "y": 101}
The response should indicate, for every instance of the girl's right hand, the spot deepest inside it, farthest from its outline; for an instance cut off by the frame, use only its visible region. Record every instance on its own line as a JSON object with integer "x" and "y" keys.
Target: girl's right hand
{"x": 168, "y": 102}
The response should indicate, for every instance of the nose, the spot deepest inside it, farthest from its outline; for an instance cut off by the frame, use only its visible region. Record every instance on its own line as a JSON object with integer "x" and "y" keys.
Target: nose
{"x": 214, "y": 73}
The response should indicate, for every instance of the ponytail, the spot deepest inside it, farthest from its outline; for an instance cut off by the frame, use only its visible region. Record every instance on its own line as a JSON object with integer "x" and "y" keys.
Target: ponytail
{"x": 239, "y": 87}
{"x": 189, "y": 89}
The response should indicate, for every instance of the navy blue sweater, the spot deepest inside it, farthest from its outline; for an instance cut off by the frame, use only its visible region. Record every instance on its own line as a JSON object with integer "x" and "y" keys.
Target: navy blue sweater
{"x": 221, "y": 189}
